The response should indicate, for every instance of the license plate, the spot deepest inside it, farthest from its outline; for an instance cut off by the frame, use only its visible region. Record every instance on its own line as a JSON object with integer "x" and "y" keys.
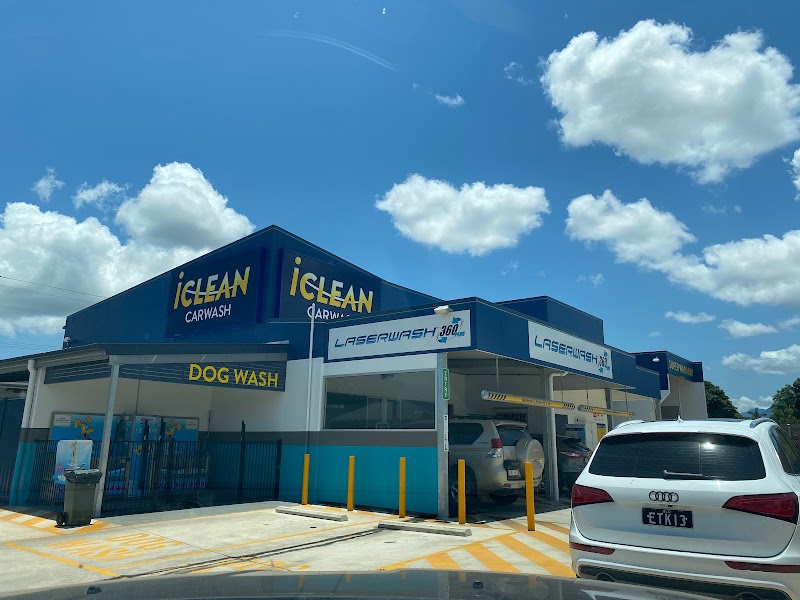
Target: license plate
{"x": 514, "y": 473}
{"x": 666, "y": 517}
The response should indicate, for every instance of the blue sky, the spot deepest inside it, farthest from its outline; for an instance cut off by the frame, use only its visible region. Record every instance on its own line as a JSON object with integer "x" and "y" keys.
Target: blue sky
{"x": 440, "y": 145}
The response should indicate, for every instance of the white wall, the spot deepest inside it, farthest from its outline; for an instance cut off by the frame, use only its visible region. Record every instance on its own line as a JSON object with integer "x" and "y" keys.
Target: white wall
{"x": 689, "y": 396}
{"x": 133, "y": 397}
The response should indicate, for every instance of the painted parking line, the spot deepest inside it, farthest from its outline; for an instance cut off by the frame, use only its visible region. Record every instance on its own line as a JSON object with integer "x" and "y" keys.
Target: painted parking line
{"x": 527, "y": 552}
{"x": 45, "y": 520}
{"x": 62, "y": 560}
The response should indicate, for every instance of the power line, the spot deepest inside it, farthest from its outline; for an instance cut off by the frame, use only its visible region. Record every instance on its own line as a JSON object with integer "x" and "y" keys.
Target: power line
{"x": 52, "y": 287}
{"x": 19, "y": 289}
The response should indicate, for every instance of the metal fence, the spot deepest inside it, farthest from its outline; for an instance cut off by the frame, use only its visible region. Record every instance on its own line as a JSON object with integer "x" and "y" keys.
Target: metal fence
{"x": 162, "y": 475}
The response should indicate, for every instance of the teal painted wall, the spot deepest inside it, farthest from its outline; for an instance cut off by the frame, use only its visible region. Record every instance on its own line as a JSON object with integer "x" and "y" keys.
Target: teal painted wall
{"x": 376, "y": 476}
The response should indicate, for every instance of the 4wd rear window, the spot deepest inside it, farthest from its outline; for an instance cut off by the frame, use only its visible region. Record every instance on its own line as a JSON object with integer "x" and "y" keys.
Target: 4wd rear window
{"x": 510, "y": 435}
{"x": 713, "y": 456}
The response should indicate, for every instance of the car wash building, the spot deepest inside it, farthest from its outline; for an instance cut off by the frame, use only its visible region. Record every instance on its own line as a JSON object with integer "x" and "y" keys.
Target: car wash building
{"x": 209, "y": 384}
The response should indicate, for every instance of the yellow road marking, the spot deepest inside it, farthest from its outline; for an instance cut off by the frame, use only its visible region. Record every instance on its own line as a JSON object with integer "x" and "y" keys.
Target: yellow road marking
{"x": 551, "y": 541}
{"x": 65, "y": 561}
{"x": 554, "y": 527}
{"x": 490, "y": 559}
{"x": 546, "y": 562}
{"x": 443, "y": 561}
{"x": 237, "y": 545}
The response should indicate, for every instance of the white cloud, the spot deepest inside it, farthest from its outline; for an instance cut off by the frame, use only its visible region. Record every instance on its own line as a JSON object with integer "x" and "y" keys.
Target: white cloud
{"x": 737, "y": 209}
{"x": 682, "y": 316}
{"x": 710, "y": 209}
{"x": 167, "y": 211}
{"x": 796, "y": 172}
{"x": 768, "y": 362}
{"x": 48, "y": 184}
{"x": 514, "y": 71}
{"x": 475, "y": 219}
{"x": 654, "y": 334}
{"x": 452, "y": 102}
{"x": 651, "y": 96}
{"x": 99, "y": 195}
{"x": 762, "y": 270}
{"x": 737, "y": 329}
{"x": 595, "y": 279}
{"x": 511, "y": 267}
{"x": 790, "y": 323}
{"x": 744, "y": 404}
{"x": 87, "y": 256}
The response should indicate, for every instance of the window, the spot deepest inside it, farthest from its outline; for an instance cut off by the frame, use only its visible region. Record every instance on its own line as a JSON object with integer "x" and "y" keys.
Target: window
{"x": 381, "y": 401}
{"x": 712, "y": 456}
{"x": 787, "y": 450}
{"x": 464, "y": 433}
{"x": 511, "y": 435}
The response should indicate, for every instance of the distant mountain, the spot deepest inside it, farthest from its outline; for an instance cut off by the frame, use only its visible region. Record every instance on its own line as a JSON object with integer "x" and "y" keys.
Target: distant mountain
{"x": 764, "y": 412}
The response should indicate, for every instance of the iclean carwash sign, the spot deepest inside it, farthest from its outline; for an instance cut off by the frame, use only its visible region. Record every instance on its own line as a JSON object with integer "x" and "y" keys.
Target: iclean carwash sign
{"x": 570, "y": 352}
{"x": 215, "y": 294}
{"x": 335, "y": 291}
{"x": 428, "y": 333}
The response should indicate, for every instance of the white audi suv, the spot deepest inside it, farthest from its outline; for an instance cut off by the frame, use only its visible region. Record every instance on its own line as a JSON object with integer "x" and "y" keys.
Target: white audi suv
{"x": 705, "y": 506}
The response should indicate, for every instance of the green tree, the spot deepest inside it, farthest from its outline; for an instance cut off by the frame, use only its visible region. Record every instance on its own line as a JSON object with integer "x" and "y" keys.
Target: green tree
{"x": 785, "y": 402}
{"x": 718, "y": 403}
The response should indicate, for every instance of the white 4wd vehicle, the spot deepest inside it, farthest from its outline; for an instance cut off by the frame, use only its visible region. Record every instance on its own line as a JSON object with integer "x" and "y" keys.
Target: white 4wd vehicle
{"x": 495, "y": 452}
{"x": 704, "y": 506}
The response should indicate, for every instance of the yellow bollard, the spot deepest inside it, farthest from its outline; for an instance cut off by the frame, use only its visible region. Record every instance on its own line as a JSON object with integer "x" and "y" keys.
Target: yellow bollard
{"x": 529, "y": 496}
{"x": 402, "y": 499}
{"x": 462, "y": 484}
{"x": 351, "y": 481}
{"x": 306, "y": 462}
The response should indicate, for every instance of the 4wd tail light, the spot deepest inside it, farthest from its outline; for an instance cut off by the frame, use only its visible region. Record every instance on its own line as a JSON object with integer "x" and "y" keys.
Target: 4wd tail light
{"x": 497, "y": 443}
{"x": 497, "y": 448}
{"x": 569, "y": 454}
{"x": 582, "y": 495}
{"x": 777, "y": 506}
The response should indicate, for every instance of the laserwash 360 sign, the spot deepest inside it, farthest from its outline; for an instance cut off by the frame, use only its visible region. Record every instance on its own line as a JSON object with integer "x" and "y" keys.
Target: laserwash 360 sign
{"x": 215, "y": 294}
{"x": 428, "y": 333}
{"x": 570, "y": 352}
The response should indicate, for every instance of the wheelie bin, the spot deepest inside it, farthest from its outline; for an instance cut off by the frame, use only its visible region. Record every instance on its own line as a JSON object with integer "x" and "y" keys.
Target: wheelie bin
{"x": 79, "y": 491}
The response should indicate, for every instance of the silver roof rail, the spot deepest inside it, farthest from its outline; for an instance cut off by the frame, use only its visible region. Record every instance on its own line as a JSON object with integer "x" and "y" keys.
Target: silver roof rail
{"x": 759, "y": 421}
{"x": 633, "y": 422}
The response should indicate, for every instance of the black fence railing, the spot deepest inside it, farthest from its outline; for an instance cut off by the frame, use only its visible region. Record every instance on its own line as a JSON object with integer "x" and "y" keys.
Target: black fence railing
{"x": 163, "y": 475}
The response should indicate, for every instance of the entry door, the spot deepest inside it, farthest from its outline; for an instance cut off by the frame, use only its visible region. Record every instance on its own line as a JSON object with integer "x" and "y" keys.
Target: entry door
{"x": 10, "y": 425}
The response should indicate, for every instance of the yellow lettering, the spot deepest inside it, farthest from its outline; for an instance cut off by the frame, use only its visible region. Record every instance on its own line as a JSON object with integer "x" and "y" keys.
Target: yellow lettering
{"x": 222, "y": 376}
{"x": 177, "y": 292}
{"x": 252, "y": 380}
{"x": 262, "y": 380}
{"x": 295, "y": 273}
{"x": 240, "y": 376}
{"x": 303, "y": 281}
{"x": 364, "y": 301}
{"x": 321, "y": 291}
{"x": 272, "y": 380}
{"x": 206, "y": 371}
{"x": 198, "y": 294}
{"x": 336, "y": 288}
{"x": 224, "y": 288}
{"x": 350, "y": 299}
{"x": 211, "y": 289}
{"x": 240, "y": 282}
{"x": 187, "y": 302}
{"x": 194, "y": 372}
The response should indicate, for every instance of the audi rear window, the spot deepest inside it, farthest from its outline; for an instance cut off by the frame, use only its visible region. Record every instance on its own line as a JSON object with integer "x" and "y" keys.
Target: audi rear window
{"x": 681, "y": 455}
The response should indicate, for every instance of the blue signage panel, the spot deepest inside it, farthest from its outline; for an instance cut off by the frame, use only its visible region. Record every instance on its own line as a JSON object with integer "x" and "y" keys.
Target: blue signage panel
{"x": 680, "y": 367}
{"x": 335, "y": 291}
{"x": 215, "y": 294}
{"x": 261, "y": 375}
